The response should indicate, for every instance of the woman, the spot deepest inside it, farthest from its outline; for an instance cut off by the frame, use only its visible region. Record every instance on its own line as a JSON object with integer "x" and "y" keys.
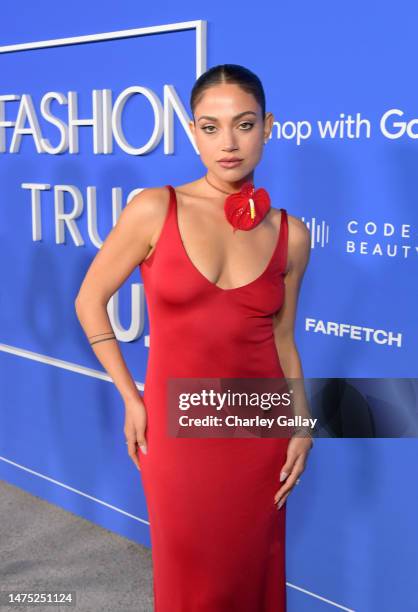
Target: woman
{"x": 222, "y": 303}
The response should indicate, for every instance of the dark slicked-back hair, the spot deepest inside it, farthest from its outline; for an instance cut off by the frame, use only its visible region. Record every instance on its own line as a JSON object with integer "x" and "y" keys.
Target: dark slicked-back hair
{"x": 229, "y": 73}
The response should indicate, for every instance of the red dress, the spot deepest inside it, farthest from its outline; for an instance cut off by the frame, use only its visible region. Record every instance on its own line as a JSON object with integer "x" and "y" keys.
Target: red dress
{"x": 218, "y": 540}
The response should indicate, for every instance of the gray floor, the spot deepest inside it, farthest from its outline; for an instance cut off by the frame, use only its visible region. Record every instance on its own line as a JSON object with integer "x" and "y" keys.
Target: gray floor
{"x": 43, "y": 547}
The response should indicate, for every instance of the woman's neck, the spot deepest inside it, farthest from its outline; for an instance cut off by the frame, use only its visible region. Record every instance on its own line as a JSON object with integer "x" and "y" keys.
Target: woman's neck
{"x": 228, "y": 186}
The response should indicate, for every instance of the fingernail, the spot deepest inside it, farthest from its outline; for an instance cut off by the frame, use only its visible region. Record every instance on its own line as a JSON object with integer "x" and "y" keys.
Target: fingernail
{"x": 280, "y": 504}
{"x": 283, "y": 475}
{"x": 144, "y": 449}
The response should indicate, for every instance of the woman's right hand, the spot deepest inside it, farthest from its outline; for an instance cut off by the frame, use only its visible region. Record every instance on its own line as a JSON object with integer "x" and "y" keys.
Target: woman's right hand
{"x": 135, "y": 426}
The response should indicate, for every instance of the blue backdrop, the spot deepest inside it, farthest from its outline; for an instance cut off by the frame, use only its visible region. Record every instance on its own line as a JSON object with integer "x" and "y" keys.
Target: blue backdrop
{"x": 340, "y": 81}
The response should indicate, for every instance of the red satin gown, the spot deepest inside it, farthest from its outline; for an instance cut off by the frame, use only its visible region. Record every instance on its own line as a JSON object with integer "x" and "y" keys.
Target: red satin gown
{"x": 218, "y": 539}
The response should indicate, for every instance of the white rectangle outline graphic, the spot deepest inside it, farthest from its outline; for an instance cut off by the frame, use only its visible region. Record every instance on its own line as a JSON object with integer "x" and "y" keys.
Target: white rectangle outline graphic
{"x": 199, "y": 25}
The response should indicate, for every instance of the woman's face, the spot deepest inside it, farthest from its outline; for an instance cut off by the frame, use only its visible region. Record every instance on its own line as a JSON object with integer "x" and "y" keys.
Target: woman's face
{"x": 228, "y": 123}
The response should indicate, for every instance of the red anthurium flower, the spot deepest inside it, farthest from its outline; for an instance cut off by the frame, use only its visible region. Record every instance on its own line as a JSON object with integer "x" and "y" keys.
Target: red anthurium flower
{"x": 247, "y": 208}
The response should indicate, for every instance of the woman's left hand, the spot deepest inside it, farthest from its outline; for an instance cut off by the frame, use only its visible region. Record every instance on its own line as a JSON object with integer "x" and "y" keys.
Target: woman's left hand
{"x": 297, "y": 453}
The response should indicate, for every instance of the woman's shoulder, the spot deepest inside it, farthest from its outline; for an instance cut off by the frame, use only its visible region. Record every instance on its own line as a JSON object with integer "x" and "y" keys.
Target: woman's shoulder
{"x": 150, "y": 196}
{"x": 298, "y": 230}
{"x": 299, "y": 241}
{"x": 150, "y": 200}
{"x": 148, "y": 208}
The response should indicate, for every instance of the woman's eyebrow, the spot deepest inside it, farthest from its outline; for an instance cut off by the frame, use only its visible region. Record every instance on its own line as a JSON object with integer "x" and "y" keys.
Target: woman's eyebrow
{"x": 233, "y": 118}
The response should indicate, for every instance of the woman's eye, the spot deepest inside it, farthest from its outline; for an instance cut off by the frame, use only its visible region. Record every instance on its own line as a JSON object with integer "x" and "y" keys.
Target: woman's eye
{"x": 205, "y": 127}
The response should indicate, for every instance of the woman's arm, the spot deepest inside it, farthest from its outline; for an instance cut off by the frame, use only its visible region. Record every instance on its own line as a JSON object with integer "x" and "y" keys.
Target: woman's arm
{"x": 284, "y": 322}
{"x": 299, "y": 249}
{"x": 125, "y": 247}
{"x": 283, "y": 325}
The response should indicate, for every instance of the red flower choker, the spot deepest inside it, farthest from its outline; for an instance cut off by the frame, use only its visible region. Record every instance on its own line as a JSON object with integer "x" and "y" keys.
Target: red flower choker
{"x": 247, "y": 208}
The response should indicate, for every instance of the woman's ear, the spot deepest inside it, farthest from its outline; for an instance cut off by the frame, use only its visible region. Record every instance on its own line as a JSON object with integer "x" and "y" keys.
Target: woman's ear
{"x": 268, "y": 126}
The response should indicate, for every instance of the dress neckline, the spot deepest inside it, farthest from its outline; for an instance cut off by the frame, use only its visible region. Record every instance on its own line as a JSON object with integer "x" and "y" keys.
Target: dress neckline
{"x": 202, "y": 276}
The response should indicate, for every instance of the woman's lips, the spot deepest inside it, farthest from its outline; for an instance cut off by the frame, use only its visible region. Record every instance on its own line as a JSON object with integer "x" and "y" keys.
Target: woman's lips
{"x": 230, "y": 164}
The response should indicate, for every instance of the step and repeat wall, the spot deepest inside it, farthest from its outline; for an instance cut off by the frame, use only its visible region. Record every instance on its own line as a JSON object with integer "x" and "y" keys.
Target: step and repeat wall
{"x": 94, "y": 110}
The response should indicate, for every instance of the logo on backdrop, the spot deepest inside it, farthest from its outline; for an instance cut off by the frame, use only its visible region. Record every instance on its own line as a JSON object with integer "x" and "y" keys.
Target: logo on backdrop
{"x": 383, "y": 239}
{"x": 319, "y": 231}
{"x": 354, "y": 332}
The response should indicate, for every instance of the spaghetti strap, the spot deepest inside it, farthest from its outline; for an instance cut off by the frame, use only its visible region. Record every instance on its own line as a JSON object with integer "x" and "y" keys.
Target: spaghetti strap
{"x": 283, "y": 240}
{"x": 170, "y": 203}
